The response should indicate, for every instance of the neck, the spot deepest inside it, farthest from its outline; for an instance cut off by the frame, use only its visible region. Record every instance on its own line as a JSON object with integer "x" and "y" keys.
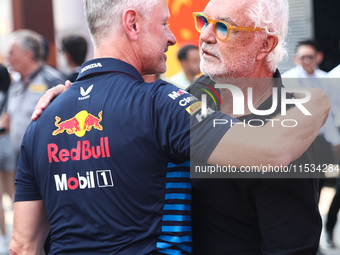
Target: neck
{"x": 123, "y": 50}
{"x": 30, "y": 69}
{"x": 261, "y": 90}
{"x": 189, "y": 76}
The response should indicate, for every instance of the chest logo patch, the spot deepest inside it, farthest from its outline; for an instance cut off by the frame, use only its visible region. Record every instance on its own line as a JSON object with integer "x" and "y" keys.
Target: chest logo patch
{"x": 85, "y": 94}
{"x": 79, "y": 124}
{"x": 37, "y": 88}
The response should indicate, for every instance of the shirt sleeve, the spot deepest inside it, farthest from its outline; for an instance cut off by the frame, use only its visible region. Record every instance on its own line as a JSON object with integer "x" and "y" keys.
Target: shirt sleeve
{"x": 25, "y": 181}
{"x": 182, "y": 130}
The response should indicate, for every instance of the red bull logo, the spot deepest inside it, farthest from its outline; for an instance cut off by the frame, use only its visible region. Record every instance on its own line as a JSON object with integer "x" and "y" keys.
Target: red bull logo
{"x": 79, "y": 124}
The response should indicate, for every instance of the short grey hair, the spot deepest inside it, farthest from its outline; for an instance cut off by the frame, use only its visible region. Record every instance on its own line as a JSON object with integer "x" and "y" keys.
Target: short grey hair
{"x": 105, "y": 16}
{"x": 30, "y": 40}
{"x": 273, "y": 16}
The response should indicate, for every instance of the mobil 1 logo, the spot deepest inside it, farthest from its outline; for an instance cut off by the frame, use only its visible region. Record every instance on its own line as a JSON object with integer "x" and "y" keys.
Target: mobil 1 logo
{"x": 90, "y": 180}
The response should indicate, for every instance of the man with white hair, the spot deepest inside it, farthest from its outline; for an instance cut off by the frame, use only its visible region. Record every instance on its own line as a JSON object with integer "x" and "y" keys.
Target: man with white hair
{"x": 112, "y": 175}
{"x": 250, "y": 216}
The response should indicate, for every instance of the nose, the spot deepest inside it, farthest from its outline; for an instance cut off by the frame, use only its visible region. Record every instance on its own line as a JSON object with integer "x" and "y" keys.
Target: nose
{"x": 208, "y": 34}
{"x": 306, "y": 61}
{"x": 171, "y": 38}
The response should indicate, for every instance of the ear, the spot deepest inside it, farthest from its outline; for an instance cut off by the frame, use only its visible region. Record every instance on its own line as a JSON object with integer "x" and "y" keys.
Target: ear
{"x": 296, "y": 59}
{"x": 28, "y": 54}
{"x": 131, "y": 24}
{"x": 268, "y": 45}
{"x": 319, "y": 57}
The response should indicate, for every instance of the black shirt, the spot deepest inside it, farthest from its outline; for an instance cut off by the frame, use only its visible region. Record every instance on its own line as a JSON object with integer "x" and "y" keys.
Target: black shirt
{"x": 255, "y": 216}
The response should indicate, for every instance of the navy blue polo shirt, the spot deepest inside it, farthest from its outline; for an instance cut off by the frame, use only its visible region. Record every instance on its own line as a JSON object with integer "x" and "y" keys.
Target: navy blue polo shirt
{"x": 109, "y": 157}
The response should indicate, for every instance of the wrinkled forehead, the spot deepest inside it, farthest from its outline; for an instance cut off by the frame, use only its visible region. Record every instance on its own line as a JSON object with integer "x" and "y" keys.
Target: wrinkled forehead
{"x": 234, "y": 12}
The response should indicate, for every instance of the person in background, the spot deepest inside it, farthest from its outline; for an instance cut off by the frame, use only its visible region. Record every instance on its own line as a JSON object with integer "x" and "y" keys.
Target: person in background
{"x": 26, "y": 56}
{"x": 332, "y": 216}
{"x": 75, "y": 50}
{"x": 307, "y": 74}
{"x": 7, "y": 163}
{"x": 46, "y": 48}
{"x": 306, "y": 58}
{"x": 189, "y": 58}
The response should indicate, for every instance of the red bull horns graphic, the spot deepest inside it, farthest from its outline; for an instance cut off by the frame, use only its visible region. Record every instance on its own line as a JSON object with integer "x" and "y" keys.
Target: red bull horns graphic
{"x": 79, "y": 124}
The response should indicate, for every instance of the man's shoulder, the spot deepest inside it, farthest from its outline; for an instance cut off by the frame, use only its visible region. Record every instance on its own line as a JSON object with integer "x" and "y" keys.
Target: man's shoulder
{"x": 320, "y": 73}
{"x": 200, "y": 86}
{"x": 164, "y": 87}
{"x": 52, "y": 76}
{"x": 291, "y": 73}
{"x": 202, "y": 80}
{"x": 180, "y": 80}
{"x": 72, "y": 77}
{"x": 14, "y": 86}
{"x": 176, "y": 76}
{"x": 334, "y": 73}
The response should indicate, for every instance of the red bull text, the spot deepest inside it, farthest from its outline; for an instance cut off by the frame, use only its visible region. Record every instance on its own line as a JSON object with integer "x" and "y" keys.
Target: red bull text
{"x": 83, "y": 151}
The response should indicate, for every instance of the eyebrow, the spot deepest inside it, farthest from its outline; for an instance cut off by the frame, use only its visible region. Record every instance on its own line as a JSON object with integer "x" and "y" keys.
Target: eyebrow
{"x": 226, "y": 19}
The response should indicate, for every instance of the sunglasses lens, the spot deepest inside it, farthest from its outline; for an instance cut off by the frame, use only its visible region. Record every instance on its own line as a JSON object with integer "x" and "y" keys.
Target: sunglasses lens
{"x": 221, "y": 30}
{"x": 201, "y": 22}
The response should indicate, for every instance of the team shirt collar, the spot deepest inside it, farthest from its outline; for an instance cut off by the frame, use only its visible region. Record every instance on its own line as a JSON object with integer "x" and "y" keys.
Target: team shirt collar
{"x": 108, "y": 65}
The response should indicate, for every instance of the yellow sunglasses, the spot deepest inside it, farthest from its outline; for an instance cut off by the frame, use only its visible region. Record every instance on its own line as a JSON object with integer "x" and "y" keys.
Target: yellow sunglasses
{"x": 221, "y": 28}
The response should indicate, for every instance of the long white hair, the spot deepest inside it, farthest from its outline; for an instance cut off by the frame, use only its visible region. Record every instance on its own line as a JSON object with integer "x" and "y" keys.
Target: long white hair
{"x": 272, "y": 15}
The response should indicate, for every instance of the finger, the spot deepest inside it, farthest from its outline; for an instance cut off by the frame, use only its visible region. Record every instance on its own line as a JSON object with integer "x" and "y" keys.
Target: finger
{"x": 298, "y": 95}
{"x": 67, "y": 84}
{"x": 36, "y": 114}
{"x": 37, "y": 111}
{"x": 51, "y": 94}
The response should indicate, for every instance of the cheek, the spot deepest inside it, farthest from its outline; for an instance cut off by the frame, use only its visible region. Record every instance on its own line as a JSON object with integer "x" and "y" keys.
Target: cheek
{"x": 11, "y": 60}
{"x": 200, "y": 42}
{"x": 17, "y": 62}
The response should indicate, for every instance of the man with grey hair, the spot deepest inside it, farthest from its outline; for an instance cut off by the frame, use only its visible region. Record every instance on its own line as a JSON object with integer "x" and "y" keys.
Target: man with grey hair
{"x": 240, "y": 215}
{"x": 26, "y": 57}
{"x": 112, "y": 175}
